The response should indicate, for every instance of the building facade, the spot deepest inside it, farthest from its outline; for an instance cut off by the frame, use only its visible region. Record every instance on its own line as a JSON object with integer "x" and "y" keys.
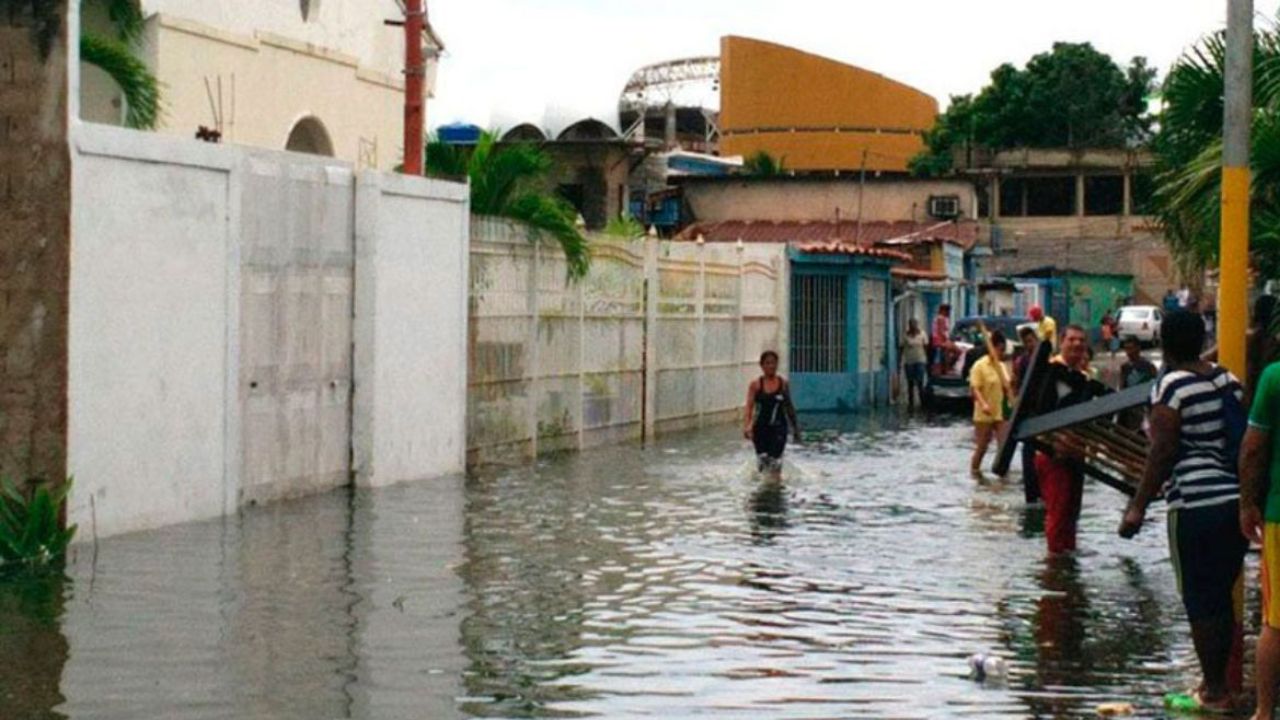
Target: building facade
{"x": 814, "y": 113}
{"x": 318, "y": 76}
{"x": 1082, "y": 211}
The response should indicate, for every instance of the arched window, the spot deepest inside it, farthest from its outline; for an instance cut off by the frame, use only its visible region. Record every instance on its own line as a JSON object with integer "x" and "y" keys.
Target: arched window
{"x": 310, "y": 136}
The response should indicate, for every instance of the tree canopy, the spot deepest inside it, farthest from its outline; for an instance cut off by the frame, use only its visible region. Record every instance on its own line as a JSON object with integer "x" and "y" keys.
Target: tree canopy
{"x": 1072, "y": 96}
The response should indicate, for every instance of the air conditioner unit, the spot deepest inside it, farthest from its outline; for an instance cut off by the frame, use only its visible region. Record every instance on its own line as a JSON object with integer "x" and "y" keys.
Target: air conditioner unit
{"x": 944, "y": 207}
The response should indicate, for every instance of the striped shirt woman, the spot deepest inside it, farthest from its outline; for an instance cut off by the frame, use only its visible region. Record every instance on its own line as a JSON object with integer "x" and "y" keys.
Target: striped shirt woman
{"x": 1203, "y": 475}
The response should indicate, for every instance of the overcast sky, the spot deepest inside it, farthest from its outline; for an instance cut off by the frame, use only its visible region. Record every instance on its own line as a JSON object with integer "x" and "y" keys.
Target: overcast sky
{"x": 510, "y": 61}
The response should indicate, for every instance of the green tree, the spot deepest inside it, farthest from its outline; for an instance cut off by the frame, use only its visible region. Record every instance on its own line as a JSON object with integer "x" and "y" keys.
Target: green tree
{"x": 1188, "y": 148}
{"x": 507, "y": 181}
{"x": 1072, "y": 96}
{"x": 115, "y": 56}
{"x": 763, "y": 164}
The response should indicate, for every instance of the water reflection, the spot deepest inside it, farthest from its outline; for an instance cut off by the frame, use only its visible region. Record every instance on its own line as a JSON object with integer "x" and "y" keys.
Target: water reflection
{"x": 768, "y": 511}
{"x": 618, "y": 583}
{"x": 33, "y": 650}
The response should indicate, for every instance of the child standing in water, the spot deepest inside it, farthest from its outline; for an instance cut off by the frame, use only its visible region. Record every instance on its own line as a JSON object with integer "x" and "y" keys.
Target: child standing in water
{"x": 770, "y": 413}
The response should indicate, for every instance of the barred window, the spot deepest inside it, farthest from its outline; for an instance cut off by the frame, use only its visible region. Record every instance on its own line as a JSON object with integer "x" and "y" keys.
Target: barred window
{"x": 818, "y": 321}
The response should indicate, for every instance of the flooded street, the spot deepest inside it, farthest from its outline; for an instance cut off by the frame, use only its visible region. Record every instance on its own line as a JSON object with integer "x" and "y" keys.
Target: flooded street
{"x": 618, "y": 583}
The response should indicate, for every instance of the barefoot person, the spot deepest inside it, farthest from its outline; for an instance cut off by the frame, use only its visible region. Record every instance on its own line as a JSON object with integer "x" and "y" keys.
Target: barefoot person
{"x": 769, "y": 414}
{"x": 1260, "y": 522}
{"x": 987, "y": 383}
{"x": 1197, "y": 419}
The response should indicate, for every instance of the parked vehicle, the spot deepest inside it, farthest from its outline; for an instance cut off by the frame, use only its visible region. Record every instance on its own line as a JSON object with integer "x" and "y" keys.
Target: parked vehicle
{"x": 951, "y": 387}
{"x": 1140, "y": 321}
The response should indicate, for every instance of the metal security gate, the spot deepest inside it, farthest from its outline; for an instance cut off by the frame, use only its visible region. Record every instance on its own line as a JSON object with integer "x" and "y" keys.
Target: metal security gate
{"x": 297, "y": 271}
{"x": 819, "y": 335}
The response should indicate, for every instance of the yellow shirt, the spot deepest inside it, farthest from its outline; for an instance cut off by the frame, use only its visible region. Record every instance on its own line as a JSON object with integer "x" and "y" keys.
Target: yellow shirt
{"x": 984, "y": 378}
{"x": 1047, "y": 329}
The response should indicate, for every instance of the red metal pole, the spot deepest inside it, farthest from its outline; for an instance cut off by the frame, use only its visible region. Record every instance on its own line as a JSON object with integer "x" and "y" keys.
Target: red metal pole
{"x": 414, "y": 74}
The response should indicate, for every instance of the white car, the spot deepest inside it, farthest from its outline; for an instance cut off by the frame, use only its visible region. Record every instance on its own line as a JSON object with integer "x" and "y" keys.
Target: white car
{"x": 1140, "y": 321}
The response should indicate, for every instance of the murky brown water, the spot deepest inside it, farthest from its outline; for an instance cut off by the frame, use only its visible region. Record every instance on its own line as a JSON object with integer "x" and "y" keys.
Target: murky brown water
{"x": 620, "y": 583}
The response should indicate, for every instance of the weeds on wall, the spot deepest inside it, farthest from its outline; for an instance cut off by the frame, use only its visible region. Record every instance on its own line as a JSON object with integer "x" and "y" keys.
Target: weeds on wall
{"x": 31, "y": 535}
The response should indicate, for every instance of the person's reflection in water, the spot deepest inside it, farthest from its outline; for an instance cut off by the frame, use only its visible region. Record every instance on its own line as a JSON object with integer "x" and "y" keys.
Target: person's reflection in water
{"x": 1082, "y": 644}
{"x": 33, "y": 649}
{"x": 768, "y": 512}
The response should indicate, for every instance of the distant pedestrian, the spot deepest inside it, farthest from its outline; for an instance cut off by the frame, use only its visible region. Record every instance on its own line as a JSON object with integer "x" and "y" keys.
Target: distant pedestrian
{"x": 987, "y": 383}
{"x": 1170, "y": 301}
{"x": 1107, "y": 331}
{"x": 1186, "y": 298}
{"x": 1022, "y": 365}
{"x": 770, "y": 414}
{"x": 1136, "y": 371}
{"x": 1260, "y": 522}
{"x": 1197, "y": 420}
{"x": 1046, "y": 326}
{"x": 913, "y": 357}
{"x": 940, "y": 339}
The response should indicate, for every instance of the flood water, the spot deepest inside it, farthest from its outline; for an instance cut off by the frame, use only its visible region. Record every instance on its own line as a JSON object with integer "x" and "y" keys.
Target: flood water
{"x": 618, "y": 583}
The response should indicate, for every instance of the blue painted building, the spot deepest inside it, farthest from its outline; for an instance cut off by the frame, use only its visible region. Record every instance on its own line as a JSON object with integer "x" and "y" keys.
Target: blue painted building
{"x": 842, "y": 351}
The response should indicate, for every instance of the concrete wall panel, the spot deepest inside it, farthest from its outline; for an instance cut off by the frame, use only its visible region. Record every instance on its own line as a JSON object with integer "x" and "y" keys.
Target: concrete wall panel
{"x": 411, "y": 324}
{"x": 211, "y": 329}
{"x": 148, "y": 333}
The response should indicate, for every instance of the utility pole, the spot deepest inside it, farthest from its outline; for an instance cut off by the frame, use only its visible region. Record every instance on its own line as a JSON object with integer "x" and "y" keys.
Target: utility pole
{"x": 415, "y": 71}
{"x": 1233, "y": 300}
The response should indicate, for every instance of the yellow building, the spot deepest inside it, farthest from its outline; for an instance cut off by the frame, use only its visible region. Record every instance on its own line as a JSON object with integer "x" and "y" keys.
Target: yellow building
{"x": 816, "y": 114}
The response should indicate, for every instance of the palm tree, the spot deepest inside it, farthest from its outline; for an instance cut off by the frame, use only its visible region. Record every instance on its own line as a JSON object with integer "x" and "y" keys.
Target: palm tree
{"x": 506, "y": 181}
{"x": 762, "y": 164}
{"x": 1188, "y": 149}
{"x": 115, "y": 56}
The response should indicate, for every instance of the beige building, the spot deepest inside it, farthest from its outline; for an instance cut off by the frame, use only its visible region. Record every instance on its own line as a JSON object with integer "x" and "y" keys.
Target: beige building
{"x": 1078, "y": 210}
{"x": 317, "y": 76}
{"x": 786, "y": 199}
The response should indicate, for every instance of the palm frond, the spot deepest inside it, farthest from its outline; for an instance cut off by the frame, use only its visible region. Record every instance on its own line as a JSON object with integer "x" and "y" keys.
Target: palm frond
{"x": 140, "y": 87}
{"x": 508, "y": 180}
{"x": 557, "y": 218}
{"x": 126, "y": 16}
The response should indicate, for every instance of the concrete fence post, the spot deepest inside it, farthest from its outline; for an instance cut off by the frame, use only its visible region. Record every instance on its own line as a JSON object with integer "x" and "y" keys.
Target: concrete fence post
{"x": 651, "y": 282}
{"x": 582, "y": 364}
{"x": 535, "y": 369}
{"x": 700, "y": 344}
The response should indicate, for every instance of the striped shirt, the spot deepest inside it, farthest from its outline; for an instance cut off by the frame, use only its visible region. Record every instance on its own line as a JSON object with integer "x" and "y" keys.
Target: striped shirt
{"x": 1203, "y": 475}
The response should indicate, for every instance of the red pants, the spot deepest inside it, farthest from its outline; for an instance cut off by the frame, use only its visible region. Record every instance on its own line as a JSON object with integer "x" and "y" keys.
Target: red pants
{"x": 1062, "y": 489}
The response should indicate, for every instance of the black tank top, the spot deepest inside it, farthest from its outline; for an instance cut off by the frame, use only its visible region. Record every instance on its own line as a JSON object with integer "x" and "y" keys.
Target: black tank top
{"x": 771, "y": 406}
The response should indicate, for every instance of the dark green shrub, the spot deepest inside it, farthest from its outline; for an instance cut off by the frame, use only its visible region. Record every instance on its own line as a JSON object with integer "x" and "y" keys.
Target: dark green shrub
{"x": 30, "y": 533}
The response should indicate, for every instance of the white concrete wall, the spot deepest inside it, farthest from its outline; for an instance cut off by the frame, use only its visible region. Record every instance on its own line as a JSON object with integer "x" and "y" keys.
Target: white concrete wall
{"x": 155, "y": 408}
{"x": 410, "y": 333}
{"x": 152, "y": 296}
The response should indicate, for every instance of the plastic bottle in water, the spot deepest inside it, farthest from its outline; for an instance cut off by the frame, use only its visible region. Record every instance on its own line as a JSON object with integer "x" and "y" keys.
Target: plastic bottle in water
{"x": 983, "y": 667}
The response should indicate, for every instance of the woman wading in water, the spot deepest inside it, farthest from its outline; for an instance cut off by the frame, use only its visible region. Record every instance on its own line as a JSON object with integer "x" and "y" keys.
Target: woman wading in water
{"x": 770, "y": 414}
